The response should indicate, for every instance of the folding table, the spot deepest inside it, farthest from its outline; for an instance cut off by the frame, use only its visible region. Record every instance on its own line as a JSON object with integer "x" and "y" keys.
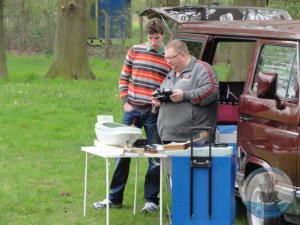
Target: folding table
{"x": 107, "y": 152}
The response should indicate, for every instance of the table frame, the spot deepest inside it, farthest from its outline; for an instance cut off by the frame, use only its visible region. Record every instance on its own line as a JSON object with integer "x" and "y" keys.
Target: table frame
{"x": 108, "y": 152}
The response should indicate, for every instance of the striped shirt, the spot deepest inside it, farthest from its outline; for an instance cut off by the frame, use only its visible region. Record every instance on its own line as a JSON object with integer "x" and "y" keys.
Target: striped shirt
{"x": 143, "y": 71}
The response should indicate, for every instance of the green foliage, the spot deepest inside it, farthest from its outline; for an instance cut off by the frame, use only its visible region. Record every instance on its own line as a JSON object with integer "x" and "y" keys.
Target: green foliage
{"x": 25, "y": 24}
{"x": 222, "y": 70}
{"x": 292, "y": 6}
{"x": 26, "y": 27}
{"x": 43, "y": 126}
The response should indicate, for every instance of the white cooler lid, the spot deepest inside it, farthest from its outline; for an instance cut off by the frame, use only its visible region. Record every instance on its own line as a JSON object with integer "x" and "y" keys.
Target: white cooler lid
{"x": 202, "y": 151}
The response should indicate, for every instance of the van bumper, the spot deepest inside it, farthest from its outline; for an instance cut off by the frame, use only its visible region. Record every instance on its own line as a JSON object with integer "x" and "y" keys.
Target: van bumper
{"x": 238, "y": 182}
{"x": 239, "y": 177}
{"x": 298, "y": 196}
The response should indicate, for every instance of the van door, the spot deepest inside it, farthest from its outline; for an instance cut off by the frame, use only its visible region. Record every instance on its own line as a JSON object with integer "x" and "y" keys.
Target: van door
{"x": 266, "y": 131}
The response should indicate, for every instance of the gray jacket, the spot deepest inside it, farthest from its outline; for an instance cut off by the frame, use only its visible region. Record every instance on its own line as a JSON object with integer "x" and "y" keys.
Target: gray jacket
{"x": 199, "y": 107}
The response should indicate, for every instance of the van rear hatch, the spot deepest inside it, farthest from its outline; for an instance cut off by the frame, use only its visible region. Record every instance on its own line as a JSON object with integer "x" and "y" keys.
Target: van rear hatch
{"x": 199, "y": 14}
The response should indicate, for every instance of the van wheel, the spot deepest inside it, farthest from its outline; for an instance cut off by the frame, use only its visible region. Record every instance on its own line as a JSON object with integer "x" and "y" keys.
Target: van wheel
{"x": 253, "y": 220}
{"x": 255, "y": 197}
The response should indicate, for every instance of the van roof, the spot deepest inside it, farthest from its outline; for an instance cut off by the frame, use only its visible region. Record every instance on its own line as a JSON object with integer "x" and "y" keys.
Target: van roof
{"x": 275, "y": 29}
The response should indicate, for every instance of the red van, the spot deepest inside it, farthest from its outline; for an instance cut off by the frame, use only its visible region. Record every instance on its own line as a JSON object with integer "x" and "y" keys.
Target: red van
{"x": 255, "y": 52}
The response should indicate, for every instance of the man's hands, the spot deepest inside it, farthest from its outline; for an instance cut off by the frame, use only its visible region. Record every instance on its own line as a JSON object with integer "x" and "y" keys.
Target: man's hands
{"x": 177, "y": 96}
{"x": 127, "y": 107}
{"x": 155, "y": 102}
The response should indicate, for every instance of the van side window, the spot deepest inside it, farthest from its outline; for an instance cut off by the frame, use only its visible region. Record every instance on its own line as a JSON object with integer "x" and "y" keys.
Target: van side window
{"x": 280, "y": 60}
{"x": 232, "y": 60}
{"x": 194, "y": 47}
{"x": 293, "y": 84}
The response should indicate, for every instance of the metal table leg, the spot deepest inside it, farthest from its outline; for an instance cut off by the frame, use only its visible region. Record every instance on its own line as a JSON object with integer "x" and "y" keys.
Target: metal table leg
{"x": 85, "y": 184}
{"x": 161, "y": 192}
{"x": 135, "y": 186}
{"x": 107, "y": 191}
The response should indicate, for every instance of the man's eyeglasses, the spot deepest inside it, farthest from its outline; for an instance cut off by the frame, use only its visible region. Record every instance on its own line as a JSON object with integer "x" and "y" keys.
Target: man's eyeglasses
{"x": 172, "y": 57}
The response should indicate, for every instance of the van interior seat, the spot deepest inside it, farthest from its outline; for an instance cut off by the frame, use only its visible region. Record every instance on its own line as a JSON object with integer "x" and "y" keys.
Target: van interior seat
{"x": 229, "y": 93}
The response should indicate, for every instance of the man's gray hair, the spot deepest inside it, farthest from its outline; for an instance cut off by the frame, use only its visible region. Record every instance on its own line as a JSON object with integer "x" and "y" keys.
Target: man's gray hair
{"x": 178, "y": 46}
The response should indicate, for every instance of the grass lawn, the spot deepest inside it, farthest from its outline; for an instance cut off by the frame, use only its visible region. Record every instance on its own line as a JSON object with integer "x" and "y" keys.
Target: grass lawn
{"x": 43, "y": 126}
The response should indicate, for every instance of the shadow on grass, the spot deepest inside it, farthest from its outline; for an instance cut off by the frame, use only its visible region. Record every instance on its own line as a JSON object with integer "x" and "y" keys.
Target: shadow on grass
{"x": 241, "y": 212}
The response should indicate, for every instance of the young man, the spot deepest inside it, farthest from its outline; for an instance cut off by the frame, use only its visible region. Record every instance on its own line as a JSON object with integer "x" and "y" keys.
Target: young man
{"x": 194, "y": 102}
{"x": 143, "y": 71}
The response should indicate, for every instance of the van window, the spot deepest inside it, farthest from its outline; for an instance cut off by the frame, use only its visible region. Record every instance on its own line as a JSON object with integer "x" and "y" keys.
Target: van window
{"x": 280, "y": 60}
{"x": 194, "y": 47}
{"x": 232, "y": 60}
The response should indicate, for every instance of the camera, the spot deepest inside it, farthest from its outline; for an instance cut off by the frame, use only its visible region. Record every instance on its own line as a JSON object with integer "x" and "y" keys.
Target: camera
{"x": 163, "y": 96}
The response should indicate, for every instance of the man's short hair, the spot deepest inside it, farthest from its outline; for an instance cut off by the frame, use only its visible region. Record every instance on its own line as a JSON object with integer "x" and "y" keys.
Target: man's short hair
{"x": 154, "y": 26}
{"x": 178, "y": 46}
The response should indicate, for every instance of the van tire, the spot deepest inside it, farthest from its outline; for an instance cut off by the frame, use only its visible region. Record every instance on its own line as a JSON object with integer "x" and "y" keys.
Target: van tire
{"x": 251, "y": 218}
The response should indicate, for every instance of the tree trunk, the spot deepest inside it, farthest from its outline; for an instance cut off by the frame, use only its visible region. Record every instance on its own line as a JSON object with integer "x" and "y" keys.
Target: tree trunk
{"x": 257, "y": 3}
{"x": 162, "y": 3}
{"x": 24, "y": 18}
{"x": 187, "y": 2}
{"x": 3, "y": 65}
{"x": 70, "y": 58}
{"x": 141, "y": 29}
{"x": 203, "y": 2}
{"x": 171, "y": 3}
{"x": 241, "y": 54}
{"x": 48, "y": 30}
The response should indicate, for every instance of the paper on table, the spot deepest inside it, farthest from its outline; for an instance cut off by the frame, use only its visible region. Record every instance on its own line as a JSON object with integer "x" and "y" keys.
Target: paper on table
{"x": 183, "y": 145}
{"x": 109, "y": 148}
{"x": 176, "y": 146}
{"x": 136, "y": 150}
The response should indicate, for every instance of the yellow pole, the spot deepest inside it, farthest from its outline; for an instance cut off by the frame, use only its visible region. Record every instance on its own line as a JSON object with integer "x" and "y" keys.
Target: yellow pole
{"x": 141, "y": 29}
{"x": 106, "y": 33}
{"x": 96, "y": 17}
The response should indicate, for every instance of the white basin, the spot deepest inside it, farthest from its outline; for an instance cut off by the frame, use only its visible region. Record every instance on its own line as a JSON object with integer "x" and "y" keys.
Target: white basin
{"x": 116, "y": 134}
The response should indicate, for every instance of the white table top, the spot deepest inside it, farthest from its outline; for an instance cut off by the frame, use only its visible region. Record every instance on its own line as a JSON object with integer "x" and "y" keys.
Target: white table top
{"x": 107, "y": 151}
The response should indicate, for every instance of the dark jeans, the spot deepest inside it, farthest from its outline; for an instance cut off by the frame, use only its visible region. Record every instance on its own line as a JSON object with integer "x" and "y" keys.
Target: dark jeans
{"x": 120, "y": 176}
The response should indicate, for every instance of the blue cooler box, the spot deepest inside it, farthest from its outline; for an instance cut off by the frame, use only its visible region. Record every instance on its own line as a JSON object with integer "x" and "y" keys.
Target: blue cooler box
{"x": 223, "y": 199}
{"x": 228, "y": 134}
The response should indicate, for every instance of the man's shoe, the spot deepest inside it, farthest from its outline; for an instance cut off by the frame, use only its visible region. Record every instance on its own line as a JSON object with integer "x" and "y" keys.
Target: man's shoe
{"x": 102, "y": 204}
{"x": 149, "y": 207}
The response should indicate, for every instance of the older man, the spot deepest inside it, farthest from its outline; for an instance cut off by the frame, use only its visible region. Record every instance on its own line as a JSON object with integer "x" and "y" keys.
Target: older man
{"x": 194, "y": 101}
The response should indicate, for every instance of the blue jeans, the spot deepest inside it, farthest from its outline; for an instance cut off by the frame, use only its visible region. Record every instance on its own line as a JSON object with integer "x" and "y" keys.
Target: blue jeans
{"x": 120, "y": 176}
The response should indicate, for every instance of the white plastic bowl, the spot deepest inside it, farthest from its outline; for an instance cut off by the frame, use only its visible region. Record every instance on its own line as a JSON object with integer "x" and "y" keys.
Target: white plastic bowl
{"x": 111, "y": 133}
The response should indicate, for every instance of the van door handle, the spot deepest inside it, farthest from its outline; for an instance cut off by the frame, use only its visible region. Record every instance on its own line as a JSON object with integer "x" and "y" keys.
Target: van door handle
{"x": 245, "y": 118}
